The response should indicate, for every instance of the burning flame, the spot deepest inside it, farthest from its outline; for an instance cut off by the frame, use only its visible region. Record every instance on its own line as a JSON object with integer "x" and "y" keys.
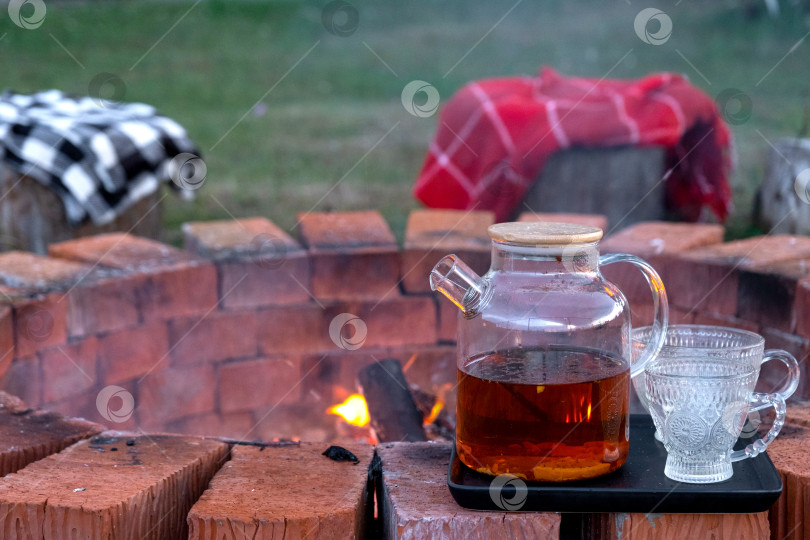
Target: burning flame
{"x": 438, "y": 406}
{"x": 353, "y": 410}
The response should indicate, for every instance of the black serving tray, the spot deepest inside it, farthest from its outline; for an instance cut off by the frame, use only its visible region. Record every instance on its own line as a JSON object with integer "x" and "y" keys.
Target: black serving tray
{"x": 638, "y": 486}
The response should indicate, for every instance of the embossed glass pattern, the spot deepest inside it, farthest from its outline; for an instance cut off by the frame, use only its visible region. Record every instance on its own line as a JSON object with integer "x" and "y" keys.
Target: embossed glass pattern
{"x": 699, "y": 405}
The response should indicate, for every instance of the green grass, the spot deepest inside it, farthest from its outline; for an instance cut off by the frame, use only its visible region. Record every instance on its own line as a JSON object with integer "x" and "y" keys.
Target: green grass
{"x": 323, "y": 116}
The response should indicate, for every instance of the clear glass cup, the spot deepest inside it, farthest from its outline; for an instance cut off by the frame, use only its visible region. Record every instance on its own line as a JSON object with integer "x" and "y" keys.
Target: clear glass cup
{"x": 711, "y": 342}
{"x": 699, "y": 405}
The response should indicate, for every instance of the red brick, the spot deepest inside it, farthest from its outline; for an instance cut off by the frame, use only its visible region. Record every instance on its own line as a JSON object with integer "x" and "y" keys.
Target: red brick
{"x": 84, "y": 406}
{"x": 773, "y": 374}
{"x": 91, "y": 405}
{"x": 336, "y": 230}
{"x": 219, "y": 336}
{"x": 122, "y": 251}
{"x": 39, "y": 323}
{"x": 24, "y": 379}
{"x": 69, "y": 369}
{"x": 181, "y": 292}
{"x": 448, "y": 314}
{"x": 126, "y": 354}
{"x": 416, "y": 503}
{"x": 696, "y": 285}
{"x": 409, "y": 320}
{"x": 593, "y": 220}
{"x": 27, "y": 435}
{"x": 6, "y": 339}
{"x": 233, "y": 425}
{"x": 293, "y": 329}
{"x": 250, "y": 284}
{"x": 104, "y": 305}
{"x": 708, "y": 279}
{"x": 758, "y": 250}
{"x": 403, "y": 321}
{"x": 432, "y": 234}
{"x": 173, "y": 393}
{"x": 245, "y": 238}
{"x": 801, "y": 308}
{"x": 766, "y": 293}
{"x": 35, "y": 273}
{"x": 290, "y": 492}
{"x": 253, "y": 384}
{"x": 656, "y": 242}
{"x": 658, "y": 237}
{"x": 717, "y": 319}
{"x": 355, "y": 274}
{"x": 116, "y": 485}
{"x": 798, "y": 414}
{"x": 353, "y": 255}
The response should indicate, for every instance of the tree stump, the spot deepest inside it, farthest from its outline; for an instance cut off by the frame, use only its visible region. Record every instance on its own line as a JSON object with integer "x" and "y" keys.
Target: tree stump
{"x": 784, "y": 199}
{"x": 32, "y": 216}
{"x": 624, "y": 183}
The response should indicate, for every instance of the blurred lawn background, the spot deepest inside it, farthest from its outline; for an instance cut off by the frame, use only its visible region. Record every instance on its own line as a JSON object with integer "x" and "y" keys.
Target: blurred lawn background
{"x": 308, "y": 144}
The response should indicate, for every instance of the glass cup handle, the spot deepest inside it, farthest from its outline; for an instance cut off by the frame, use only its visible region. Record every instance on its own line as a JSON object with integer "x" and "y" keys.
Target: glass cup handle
{"x": 793, "y": 370}
{"x": 758, "y": 402}
{"x": 660, "y": 307}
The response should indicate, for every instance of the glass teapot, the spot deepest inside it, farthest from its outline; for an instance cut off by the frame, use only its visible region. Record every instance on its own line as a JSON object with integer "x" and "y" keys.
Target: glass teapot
{"x": 544, "y": 353}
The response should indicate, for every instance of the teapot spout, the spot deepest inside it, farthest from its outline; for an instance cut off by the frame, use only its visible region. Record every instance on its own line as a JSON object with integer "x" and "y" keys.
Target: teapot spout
{"x": 460, "y": 284}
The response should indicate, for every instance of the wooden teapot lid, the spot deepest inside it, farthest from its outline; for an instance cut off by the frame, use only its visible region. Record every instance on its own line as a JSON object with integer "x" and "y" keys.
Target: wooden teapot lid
{"x": 539, "y": 233}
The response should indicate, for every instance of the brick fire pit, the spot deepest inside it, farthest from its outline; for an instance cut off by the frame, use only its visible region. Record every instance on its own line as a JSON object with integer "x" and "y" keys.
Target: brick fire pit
{"x": 231, "y": 338}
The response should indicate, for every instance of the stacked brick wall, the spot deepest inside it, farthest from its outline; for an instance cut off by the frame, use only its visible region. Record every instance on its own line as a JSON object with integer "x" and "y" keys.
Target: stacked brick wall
{"x": 236, "y": 335}
{"x": 250, "y": 332}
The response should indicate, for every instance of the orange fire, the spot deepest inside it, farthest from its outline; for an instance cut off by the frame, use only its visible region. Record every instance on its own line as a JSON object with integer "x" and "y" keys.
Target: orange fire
{"x": 353, "y": 410}
{"x": 439, "y": 404}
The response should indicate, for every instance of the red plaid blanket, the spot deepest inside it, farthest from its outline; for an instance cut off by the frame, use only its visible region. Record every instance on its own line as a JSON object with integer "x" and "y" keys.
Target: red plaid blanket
{"x": 494, "y": 137}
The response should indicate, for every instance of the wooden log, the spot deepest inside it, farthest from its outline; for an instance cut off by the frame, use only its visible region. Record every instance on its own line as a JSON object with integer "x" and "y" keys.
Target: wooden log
{"x": 32, "y": 216}
{"x": 394, "y": 414}
{"x": 623, "y": 183}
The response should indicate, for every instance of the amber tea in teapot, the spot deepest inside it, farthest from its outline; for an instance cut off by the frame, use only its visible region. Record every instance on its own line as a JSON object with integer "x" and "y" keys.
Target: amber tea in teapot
{"x": 565, "y": 418}
{"x": 544, "y": 354}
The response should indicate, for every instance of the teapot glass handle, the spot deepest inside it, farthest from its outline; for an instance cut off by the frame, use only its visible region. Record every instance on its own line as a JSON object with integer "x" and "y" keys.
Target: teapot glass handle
{"x": 660, "y": 307}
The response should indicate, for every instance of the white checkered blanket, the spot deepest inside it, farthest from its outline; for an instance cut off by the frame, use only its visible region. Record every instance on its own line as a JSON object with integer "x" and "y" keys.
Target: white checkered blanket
{"x": 99, "y": 157}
